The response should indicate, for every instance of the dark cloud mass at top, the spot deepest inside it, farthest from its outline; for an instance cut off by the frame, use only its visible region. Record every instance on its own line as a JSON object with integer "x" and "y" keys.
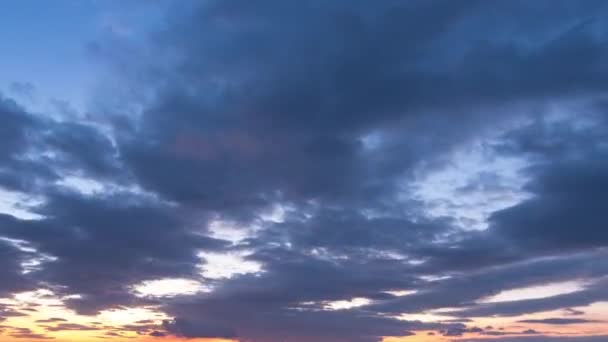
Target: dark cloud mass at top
{"x": 306, "y": 126}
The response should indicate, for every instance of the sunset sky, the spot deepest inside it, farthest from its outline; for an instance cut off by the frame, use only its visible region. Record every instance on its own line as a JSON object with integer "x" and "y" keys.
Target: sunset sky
{"x": 304, "y": 170}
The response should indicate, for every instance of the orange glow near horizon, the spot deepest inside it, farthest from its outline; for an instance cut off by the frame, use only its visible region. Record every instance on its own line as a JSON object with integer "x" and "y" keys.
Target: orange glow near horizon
{"x": 43, "y": 315}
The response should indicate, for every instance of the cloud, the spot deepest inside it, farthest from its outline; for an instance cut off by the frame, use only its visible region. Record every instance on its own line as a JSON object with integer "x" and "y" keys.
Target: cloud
{"x": 330, "y": 113}
{"x": 12, "y": 278}
{"x": 51, "y": 320}
{"x": 565, "y": 211}
{"x": 146, "y": 239}
{"x": 157, "y": 334}
{"x": 26, "y": 333}
{"x": 558, "y": 321}
{"x": 592, "y": 294}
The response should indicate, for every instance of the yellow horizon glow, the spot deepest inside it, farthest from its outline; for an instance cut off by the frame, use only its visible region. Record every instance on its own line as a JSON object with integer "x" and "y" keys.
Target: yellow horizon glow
{"x": 48, "y": 305}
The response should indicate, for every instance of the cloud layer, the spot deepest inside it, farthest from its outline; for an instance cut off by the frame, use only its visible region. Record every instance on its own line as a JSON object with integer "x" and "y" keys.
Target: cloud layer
{"x": 293, "y": 136}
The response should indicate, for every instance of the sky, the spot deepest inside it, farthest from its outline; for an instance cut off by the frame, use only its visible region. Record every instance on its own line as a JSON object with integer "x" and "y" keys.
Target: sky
{"x": 303, "y": 171}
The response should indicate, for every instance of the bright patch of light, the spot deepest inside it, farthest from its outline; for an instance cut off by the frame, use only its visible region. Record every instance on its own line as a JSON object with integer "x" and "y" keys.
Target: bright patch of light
{"x": 276, "y": 214}
{"x": 38, "y": 297}
{"x": 536, "y": 292}
{"x": 22, "y": 245}
{"x": 32, "y": 295}
{"x": 17, "y": 203}
{"x": 35, "y": 264}
{"x": 434, "y": 277}
{"x": 35, "y": 259}
{"x": 130, "y": 315}
{"x": 222, "y": 266}
{"x": 73, "y": 296}
{"x": 401, "y": 293}
{"x": 372, "y": 141}
{"x": 326, "y": 254}
{"x": 90, "y": 186}
{"x": 223, "y": 230}
{"x": 389, "y": 255}
{"x": 597, "y": 311}
{"x": 168, "y": 288}
{"x": 472, "y": 185}
{"x": 83, "y": 185}
{"x": 346, "y": 304}
{"x": 424, "y": 317}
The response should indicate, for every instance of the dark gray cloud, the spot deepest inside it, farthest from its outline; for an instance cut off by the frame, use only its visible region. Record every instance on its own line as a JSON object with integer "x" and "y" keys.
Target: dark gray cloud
{"x": 330, "y": 326}
{"x": 51, "y": 320}
{"x": 12, "y": 278}
{"x": 331, "y": 111}
{"x": 38, "y": 150}
{"x": 290, "y": 280}
{"x": 15, "y": 122}
{"x": 558, "y": 321}
{"x": 568, "y": 185}
{"x": 147, "y": 242}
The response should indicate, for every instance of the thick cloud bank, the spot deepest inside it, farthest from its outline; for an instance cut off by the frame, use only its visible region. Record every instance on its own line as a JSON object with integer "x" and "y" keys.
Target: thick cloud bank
{"x": 295, "y": 136}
